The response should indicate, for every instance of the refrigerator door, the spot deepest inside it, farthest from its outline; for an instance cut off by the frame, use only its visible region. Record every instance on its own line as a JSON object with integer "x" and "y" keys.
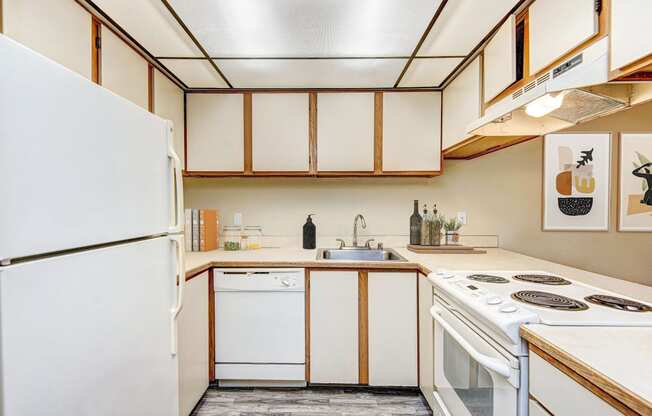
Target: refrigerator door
{"x": 89, "y": 333}
{"x": 79, "y": 165}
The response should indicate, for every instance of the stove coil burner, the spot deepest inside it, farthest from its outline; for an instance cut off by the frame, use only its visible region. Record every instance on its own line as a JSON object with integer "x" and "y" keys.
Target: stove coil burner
{"x": 618, "y": 303}
{"x": 544, "y": 279}
{"x": 487, "y": 278}
{"x": 549, "y": 300}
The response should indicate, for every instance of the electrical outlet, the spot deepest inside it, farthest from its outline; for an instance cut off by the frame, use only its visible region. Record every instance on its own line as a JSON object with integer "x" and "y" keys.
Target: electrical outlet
{"x": 461, "y": 217}
{"x": 237, "y": 218}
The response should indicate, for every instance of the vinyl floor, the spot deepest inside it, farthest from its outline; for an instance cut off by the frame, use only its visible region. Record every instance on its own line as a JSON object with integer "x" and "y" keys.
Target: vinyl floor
{"x": 311, "y": 401}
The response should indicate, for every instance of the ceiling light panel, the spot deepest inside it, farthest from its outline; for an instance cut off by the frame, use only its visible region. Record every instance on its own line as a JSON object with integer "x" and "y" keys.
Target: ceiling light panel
{"x": 195, "y": 73}
{"x": 311, "y": 73}
{"x": 152, "y": 25}
{"x": 301, "y": 28}
{"x": 463, "y": 24}
{"x": 428, "y": 72}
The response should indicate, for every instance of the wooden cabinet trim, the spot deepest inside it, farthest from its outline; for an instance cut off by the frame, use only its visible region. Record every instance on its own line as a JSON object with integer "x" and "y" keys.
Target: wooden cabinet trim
{"x": 312, "y": 132}
{"x": 211, "y": 327}
{"x": 96, "y": 51}
{"x": 378, "y": 133}
{"x": 248, "y": 133}
{"x": 363, "y": 327}
{"x": 150, "y": 88}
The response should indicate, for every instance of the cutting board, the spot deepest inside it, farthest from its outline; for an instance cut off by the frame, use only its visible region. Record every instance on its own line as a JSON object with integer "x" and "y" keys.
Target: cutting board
{"x": 457, "y": 249}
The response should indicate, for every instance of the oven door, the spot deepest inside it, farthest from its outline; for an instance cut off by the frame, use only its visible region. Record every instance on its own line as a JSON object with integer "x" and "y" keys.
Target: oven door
{"x": 472, "y": 377}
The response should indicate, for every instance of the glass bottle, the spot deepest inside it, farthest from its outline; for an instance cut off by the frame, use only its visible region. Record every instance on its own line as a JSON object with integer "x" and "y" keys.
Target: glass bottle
{"x": 232, "y": 240}
{"x": 425, "y": 227}
{"x": 435, "y": 227}
{"x": 415, "y": 225}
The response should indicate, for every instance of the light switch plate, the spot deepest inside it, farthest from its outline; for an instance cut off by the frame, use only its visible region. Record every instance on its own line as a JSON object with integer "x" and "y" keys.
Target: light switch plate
{"x": 237, "y": 218}
{"x": 461, "y": 217}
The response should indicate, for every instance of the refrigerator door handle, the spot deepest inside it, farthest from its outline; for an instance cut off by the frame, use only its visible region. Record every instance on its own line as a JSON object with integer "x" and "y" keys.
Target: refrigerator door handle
{"x": 177, "y": 185}
{"x": 179, "y": 282}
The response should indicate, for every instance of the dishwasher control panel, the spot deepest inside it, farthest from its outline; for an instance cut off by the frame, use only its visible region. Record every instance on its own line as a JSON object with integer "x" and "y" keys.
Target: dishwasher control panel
{"x": 259, "y": 279}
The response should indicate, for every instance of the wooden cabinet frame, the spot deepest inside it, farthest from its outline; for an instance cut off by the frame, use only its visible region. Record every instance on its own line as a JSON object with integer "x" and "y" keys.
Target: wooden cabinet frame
{"x": 313, "y": 170}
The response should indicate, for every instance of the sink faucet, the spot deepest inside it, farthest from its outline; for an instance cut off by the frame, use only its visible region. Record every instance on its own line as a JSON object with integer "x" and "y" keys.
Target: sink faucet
{"x": 355, "y": 228}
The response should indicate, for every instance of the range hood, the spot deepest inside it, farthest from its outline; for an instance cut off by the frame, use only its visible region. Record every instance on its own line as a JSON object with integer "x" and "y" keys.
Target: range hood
{"x": 573, "y": 92}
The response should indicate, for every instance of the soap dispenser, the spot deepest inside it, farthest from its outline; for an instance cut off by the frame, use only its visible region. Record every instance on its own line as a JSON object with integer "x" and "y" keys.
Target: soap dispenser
{"x": 309, "y": 234}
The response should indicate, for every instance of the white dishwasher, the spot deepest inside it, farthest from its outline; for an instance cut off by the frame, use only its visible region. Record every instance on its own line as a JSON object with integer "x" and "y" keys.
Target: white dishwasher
{"x": 259, "y": 327}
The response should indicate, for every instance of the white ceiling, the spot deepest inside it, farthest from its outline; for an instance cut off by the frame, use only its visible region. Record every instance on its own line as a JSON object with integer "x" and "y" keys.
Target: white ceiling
{"x": 385, "y": 30}
{"x": 152, "y": 25}
{"x": 306, "y": 73}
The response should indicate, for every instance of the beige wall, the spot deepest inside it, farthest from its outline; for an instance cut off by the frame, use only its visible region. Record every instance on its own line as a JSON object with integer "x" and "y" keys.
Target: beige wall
{"x": 501, "y": 193}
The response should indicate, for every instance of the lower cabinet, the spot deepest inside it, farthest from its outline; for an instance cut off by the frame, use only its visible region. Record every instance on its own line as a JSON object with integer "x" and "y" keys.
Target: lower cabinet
{"x": 560, "y": 394}
{"x": 334, "y": 327}
{"x": 193, "y": 343}
{"x": 363, "y": 328}
{"x": 426, "y": 341}
{"x": 392, "y": 312}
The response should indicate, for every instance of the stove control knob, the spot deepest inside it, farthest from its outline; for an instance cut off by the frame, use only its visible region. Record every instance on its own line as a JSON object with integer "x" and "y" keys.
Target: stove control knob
{"x": 508, "y": 309}
{"x": 494, "y": 301}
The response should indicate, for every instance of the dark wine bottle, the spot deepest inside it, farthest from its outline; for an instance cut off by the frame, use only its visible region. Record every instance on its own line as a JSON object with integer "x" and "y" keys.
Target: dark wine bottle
{"x": 415, "y": 225}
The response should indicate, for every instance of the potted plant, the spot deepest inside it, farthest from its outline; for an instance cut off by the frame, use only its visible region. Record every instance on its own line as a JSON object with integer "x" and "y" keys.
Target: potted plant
{"x": 452, "y": 227}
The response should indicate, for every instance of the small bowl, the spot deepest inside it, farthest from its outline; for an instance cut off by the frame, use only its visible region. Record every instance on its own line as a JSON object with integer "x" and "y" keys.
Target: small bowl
{"x": 575, "y": 207}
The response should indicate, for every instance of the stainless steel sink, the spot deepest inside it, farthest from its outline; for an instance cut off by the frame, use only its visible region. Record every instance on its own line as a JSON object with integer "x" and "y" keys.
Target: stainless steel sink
{"x": 359, "y": 254}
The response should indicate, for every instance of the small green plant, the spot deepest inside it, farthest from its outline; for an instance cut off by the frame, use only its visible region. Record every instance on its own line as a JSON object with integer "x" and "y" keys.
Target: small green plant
{"x": 452, "y": 225}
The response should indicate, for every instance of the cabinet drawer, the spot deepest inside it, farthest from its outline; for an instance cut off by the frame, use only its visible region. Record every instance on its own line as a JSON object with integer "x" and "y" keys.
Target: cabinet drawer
{"x": 562, "y": 395}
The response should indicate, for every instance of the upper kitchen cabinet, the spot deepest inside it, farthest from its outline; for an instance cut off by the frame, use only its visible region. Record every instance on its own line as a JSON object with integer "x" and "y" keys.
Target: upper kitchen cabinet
{"x": 58, "y": 29}
{"x": 556, "y": 27}
{"x": 461, "y": 101}
{"x": 215, "y": 133}
{"x": 280, "y": 132}
{"x": 411, "y": 133}
{"x": 500, "y": 60}
{"x": 345, "y": 132}
{"x": 168, "y": 103}
{"x": 124, "y": 71}
{"x": 630, "y": 34}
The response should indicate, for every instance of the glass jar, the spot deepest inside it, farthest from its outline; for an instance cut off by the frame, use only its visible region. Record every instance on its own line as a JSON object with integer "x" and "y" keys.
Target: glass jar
{"x": 232, "y": 237}
{"x": 254, "y": 237}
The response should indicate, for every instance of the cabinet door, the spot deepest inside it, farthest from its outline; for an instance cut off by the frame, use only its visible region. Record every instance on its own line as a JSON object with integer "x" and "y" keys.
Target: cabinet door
{"x": 168, "y": 103}
{"x": 124, "y": 71}
{"x": 461, "y": 105}
{"x": 334, "y": 327}
{"x": 561, "y": 394}
{"x": 411, "y": 131}
{"x": 630, "y": 31}
{"x": 500, "y": 60}
{"x": 215, "y": 132}
{"x": 280, "y": 132}
{"x": 345, "y": 132}
{"x": 426, "y": 346}
{"x": 392, "y": 329}
{"x": 193, "y": 344}
{"x": 558, "y": 26}
{"x": 58, "y": 29}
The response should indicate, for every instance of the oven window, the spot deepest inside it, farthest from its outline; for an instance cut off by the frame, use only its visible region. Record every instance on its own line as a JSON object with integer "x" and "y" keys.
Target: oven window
{"x": 471, "y": 383}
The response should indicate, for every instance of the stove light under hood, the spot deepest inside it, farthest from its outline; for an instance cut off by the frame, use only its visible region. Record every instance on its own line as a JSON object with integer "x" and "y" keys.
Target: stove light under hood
{"x": 545, "y": 104}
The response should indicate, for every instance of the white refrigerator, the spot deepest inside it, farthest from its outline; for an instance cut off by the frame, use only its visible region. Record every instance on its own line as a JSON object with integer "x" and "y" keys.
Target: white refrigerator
{"x": 91, "y": 248}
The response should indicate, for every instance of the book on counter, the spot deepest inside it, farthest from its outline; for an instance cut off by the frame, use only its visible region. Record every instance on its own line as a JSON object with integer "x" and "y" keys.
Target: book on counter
{"x": 201, "y": 230}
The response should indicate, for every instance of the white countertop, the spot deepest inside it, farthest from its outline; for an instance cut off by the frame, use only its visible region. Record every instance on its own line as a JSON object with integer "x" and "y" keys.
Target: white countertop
{"x": 494, "y": 259}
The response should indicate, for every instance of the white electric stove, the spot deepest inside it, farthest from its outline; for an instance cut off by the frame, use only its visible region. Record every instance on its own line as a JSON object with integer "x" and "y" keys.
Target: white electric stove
{"x": 480, "y": 359}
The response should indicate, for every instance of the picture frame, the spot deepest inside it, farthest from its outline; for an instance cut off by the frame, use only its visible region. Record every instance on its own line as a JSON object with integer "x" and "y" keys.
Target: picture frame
{"x": 635, "y": 182}
{"x": 576, "y": 181}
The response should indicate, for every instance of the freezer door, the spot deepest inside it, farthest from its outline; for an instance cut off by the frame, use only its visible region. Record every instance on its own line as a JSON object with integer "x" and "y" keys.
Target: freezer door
{"x": 79, "y": 165}
{"x": 89, "y": 333}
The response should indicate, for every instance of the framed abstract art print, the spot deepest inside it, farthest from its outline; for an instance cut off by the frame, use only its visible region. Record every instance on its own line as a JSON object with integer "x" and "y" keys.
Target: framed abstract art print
{"x": 576, "y": 176}
{"x": 635, "y": 182}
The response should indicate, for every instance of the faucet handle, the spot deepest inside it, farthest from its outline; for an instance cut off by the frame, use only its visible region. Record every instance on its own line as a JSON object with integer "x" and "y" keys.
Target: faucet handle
{"x": 367, "y": 244}
{"x": 342, "y": 243}
{"x": 380, "y": 245}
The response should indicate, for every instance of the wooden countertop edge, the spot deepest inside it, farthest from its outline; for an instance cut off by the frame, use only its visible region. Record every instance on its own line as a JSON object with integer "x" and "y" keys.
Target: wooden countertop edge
{"x": 319, "y": 265}
{"x": 616, "y": 390}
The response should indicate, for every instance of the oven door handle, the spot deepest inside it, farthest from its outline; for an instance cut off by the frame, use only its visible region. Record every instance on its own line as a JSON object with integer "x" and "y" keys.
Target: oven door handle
{"x": 490, "y": 363}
